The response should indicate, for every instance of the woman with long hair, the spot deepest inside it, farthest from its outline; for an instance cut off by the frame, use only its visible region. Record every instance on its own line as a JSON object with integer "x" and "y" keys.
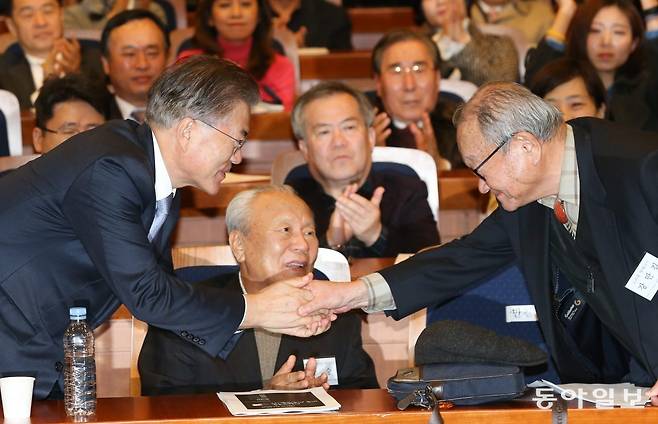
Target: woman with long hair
{"x": 241, "y": 31}
{"x": 610, "y": 36}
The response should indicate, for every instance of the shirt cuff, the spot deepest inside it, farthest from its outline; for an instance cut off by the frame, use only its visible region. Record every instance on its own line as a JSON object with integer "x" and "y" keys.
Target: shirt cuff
{"x": 380, "y": 297}
{"x": 555, "y": 44}
{"x": 243, "y": 315}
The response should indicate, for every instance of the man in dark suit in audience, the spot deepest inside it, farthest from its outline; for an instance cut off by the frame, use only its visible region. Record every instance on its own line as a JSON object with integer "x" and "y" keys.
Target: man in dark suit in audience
{"x": 89, "y": 224}
{"x": 42, "y": 50}
{"x": 410, "y": 113}
{"x": 358, "y": 211}
{"x": 65, "y": 107}
{"x": 135, "y": 48}
{"x": 578, "y": 214}
{"x": 272, "y": 236}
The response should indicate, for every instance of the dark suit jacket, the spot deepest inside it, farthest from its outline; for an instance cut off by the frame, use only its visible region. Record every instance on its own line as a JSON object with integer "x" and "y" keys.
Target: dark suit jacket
{"x": 16, "y": 76}
{"x": 405, "y": 214}
{"x": 168, "y": 365}
{"x": 327, "y": 25}
{"x": 74, "y": 227}
{"x": 618, "y": 174}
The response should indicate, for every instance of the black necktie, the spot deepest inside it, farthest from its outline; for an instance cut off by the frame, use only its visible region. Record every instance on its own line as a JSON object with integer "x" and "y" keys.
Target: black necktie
{"x": 162, "y": 207}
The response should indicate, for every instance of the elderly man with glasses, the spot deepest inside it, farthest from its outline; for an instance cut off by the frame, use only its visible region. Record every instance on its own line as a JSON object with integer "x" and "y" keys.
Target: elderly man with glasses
{"x": 89, "y": 224}
{"x": 579, "y": 215}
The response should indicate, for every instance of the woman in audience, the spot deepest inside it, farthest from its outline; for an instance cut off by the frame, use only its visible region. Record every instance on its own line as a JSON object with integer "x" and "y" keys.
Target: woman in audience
{"x": 573, "y": 87}
{"x": 609, "y": 35}
{"x": 241, "y": 31}
{"x": 478, "y": 57}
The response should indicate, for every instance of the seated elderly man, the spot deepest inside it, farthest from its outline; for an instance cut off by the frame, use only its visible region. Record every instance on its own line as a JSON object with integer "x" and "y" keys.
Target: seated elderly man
{"x": 65, "y": 107}
{"x": 359, "y": 211}
{"x": 272, "y": 236}
{"x": 406, "y": 67}
{"x": 42, "y": 50}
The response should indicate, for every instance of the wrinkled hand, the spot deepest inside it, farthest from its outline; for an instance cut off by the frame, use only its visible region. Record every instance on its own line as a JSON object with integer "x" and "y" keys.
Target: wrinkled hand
{"x": 287, "y": 379}
{"x": 362, "y": 215}
{"x": 335, "y": 297}
{"x": 653, "y": 394}
{"x": 281, "y": 32}
{"x": 381, "y": 126}
{"x": 275, "y": 307}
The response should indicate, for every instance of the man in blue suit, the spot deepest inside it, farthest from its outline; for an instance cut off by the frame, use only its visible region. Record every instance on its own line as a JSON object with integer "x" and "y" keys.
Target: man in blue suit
{"x": 89, "y": 222}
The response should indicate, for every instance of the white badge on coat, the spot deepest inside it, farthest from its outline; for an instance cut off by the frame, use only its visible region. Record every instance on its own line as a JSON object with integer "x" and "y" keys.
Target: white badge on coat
{"x": 644, "y": 280}
{"x": 328, "y": 366}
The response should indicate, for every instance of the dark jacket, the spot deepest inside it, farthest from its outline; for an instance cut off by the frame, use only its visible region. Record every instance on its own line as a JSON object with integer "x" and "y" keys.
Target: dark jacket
{"x": 619, "y": 202}
{"x": 16, "y": 76}
{"x": 170, "y": 365}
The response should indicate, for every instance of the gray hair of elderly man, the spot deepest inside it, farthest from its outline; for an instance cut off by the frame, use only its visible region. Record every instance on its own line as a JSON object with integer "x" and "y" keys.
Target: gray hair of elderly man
{"x": 503, "y": 109}
{"x": 238, "y": 212}
{"x": 323, "y": 90}
{"x": 201, "y": 87}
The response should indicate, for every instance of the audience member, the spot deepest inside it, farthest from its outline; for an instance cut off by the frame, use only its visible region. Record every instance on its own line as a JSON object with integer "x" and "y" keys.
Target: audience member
{"x": 94, "y": 14}
{"x": 41, "y": 50}
{"x": 571, "y": 86}
{"x": 578, "y": 214}
{"x": 135, "y": 47}
{"x": 478, "y": 57}
{"x": 241, "y": 31}
{"x": 313, "y": 23}
{"x": 90, "y": 222}
{"x": 357, "y": 211}
{"x": 272, "y": 236}
{"x": 609, "y": 35}
{"x": 530, "y": 17}
{"x": 406, "y": 67}
{"x": 65, "y": 107}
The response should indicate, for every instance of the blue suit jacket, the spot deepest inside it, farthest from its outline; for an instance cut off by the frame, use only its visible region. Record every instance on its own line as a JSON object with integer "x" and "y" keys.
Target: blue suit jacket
{"x": 74, "y": 227}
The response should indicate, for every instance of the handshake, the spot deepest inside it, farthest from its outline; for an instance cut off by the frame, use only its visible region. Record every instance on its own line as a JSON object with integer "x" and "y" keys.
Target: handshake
{"x": 302, "y": 307}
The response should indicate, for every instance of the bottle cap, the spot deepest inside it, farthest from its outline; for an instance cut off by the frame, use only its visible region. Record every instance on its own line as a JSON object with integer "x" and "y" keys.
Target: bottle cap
{"x": 78, "y": 312}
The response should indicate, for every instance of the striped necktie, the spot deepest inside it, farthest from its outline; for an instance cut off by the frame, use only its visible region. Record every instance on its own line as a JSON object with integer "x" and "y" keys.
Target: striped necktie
{"x": 162, "y": 207}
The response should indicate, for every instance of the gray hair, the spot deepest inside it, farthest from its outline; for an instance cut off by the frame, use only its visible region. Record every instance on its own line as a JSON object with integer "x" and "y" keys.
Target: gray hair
{"x": 238, "y": 212}
{"x": 327, "y": 89}
{"x": 503, "y": 109}
{"x": 201, "y": 87}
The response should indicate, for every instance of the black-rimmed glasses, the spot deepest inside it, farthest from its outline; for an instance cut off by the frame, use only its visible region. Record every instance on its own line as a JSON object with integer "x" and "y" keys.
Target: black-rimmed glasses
{"x": 237, "y": 144}
{"x": 477, "y": 168}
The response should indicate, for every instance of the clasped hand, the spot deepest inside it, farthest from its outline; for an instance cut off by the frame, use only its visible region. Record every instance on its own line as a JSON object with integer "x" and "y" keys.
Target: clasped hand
{"x": 275, "y": 309}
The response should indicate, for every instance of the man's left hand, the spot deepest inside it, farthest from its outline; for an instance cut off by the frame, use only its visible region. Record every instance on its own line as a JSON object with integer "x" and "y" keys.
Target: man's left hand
{"x": 425, "y": 139}
{"x": 362, "y": 215}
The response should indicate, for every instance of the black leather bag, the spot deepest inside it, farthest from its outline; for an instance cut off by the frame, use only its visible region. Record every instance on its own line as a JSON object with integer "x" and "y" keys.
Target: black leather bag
{"x": 459, "y": 383}
{"x": 464, "y": 364}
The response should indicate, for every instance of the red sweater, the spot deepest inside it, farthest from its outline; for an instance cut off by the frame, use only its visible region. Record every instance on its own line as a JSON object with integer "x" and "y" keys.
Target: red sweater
{"x": 279, "y": 78}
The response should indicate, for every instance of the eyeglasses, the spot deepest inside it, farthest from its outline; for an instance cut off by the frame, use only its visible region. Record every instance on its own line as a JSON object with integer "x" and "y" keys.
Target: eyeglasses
{"x": 477, "y": 168}
{"x": 69, "y": 130}
{"x": 237, "y": 144}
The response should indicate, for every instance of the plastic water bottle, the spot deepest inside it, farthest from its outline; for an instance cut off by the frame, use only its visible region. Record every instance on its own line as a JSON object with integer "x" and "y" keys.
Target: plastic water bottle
{"x": 79, "y": 367}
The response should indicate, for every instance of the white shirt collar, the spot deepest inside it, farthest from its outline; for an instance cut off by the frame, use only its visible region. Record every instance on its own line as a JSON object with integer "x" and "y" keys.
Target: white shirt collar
{"x": 163, "y": 186}
{"x": 402, "y": 125}
{"x": 125, "y": 107}
{"x": 244, "y": 291}
{"x": 36, "y": 67}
